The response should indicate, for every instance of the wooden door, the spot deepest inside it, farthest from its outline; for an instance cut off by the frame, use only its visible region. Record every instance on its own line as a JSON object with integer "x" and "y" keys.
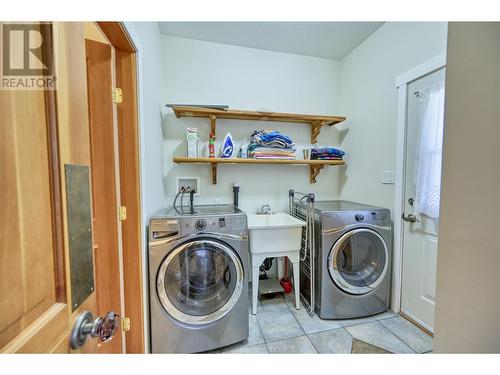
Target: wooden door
{"x": 29, "y": 261}
{"x": 42, "y": 132}
{"x": 36, "y": 315}
{"x": 105, "y": 185}
{"x": 420, "y": 238}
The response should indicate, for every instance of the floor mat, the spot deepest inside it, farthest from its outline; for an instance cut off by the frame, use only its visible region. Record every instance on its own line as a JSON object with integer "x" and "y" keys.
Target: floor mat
{"x": 361, "y": 347}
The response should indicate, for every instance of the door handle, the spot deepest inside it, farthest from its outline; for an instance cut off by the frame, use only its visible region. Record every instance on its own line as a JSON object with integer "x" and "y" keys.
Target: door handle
{"x": 85, "y": 327}
{"x": 409, "y": 218}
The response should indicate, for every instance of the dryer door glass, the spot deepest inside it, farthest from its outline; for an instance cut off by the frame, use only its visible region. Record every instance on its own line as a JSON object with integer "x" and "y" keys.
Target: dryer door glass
{"x": 197, "y": 281}
{"x": 358, "y": 261}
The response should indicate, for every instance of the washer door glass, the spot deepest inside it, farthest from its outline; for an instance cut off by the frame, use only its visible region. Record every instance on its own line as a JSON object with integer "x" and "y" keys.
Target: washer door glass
{"x": 358, "y": 261}
{"x": 200, "y": 281}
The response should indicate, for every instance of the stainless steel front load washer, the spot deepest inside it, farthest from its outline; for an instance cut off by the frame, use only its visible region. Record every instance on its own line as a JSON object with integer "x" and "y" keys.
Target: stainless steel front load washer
{"x": 352, "y": 259}
{"x": 198, "y": 272}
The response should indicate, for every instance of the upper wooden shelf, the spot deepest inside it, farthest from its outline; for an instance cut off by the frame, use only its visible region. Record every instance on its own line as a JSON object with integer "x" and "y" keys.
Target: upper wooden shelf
{"x": 315, "y": 121}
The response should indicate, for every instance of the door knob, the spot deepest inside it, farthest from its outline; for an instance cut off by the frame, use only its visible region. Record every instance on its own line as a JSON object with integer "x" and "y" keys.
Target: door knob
{"x": 85, "y": 327}
{"x": 409, "y": 218}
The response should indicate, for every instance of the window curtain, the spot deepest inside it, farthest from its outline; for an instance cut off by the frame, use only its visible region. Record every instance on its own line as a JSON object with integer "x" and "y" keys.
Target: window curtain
{"x": 429, "y": 153}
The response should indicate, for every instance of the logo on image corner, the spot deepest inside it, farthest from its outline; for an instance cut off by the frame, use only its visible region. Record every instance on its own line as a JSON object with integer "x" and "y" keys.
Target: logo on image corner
{"x": 26, "y": 57}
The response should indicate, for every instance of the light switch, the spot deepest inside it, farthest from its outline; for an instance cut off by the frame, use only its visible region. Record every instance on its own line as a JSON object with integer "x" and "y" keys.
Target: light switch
{"x": 388, "y": 177}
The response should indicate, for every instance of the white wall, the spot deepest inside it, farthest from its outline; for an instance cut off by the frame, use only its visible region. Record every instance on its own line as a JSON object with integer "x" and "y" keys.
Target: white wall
{"x": 148, "y": 35}
{"x": 468, "y": 277}
{"x": 245, "y": 78}
{"x": 369, "y": 101}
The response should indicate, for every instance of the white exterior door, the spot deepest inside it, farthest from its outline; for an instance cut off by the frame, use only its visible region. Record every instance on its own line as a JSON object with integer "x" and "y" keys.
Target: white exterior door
{"x": 420, "y": 232}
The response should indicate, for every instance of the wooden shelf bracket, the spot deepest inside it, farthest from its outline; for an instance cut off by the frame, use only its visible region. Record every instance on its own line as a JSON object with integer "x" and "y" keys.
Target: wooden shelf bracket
{"x": 315, "y": 130}
{"x": 214, "y": 173}
{"x": 314, "y": 172}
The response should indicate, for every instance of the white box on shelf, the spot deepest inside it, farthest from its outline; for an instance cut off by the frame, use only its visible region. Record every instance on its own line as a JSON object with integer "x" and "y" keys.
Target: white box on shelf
{"x": 192, "y": 142}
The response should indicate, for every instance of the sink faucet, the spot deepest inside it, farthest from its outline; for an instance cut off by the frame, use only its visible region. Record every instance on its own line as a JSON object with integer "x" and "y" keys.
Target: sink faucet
{"x": 265, "y": 209}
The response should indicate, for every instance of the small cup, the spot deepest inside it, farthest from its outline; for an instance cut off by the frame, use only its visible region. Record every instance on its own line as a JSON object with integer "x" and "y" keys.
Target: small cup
{"x": 306, "y": 153}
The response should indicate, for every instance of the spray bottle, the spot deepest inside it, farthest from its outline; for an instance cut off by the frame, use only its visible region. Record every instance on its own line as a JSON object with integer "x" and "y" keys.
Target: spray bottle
{"x": 244, "y": 150}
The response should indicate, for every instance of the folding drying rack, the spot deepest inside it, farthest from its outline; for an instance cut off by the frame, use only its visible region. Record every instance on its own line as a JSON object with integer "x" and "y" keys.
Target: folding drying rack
{"x": 301, "y": 206}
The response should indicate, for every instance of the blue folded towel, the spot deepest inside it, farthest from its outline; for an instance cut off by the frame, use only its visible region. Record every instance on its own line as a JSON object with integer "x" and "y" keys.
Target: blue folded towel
{"x": 327, "y": 151}
{"x": 271, "y": 138}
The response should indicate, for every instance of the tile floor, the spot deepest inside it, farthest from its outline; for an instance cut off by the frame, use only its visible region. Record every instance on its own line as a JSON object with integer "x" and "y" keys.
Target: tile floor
{"x": 279, "y": 328}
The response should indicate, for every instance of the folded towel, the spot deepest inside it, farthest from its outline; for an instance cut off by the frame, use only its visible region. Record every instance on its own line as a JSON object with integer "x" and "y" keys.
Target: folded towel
{"x": 272, "y": 151}
{"x": 271, "y": 154}
{"x": 327, "y": 158}
{"x": 277, "y": 154}
{"x": 255, "y": 147}
{"x": 326, "y": 151}
{"x": 273, "y": 157}
{"x": 271, "y": 138}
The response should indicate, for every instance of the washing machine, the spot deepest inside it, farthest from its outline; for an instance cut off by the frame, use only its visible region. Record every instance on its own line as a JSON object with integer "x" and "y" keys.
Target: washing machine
{"x": 353, "y": 250}
{"x": 198, "y": 276}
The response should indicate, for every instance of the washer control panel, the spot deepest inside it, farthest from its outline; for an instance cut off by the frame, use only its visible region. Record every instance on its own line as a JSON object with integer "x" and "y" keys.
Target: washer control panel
{"x": 216, "y": 224}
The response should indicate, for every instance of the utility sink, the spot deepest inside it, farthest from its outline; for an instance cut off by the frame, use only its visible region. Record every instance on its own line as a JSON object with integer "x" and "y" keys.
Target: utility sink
{"x": 274, "y": 233}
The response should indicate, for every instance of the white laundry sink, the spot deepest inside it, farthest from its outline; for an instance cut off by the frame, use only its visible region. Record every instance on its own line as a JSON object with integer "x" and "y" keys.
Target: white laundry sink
{"x": 274, "y": 233}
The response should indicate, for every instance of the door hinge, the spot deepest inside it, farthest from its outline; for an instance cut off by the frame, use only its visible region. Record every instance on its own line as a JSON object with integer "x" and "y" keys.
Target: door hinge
{"x": 117, "y": 95}
{"x": 125, "y": 324}
{"x": 122, "y": 213}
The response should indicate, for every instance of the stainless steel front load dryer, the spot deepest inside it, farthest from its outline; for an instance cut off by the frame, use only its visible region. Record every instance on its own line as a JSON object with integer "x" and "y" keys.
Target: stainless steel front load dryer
{"x": 352, "y": 259}
{"x": 198, "y": 267}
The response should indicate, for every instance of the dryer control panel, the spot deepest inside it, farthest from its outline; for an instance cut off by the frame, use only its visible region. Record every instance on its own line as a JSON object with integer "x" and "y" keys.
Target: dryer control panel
{"x": 336, "y": 219}
{"x": 371, "y": 216}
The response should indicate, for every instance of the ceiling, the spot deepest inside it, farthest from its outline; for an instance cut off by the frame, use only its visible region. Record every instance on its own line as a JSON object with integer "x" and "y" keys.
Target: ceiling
{"x": 331, "y": 40}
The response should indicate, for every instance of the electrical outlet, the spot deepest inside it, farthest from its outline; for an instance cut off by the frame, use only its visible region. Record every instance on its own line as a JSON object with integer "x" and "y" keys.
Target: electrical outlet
{"x": 388, "y": 177}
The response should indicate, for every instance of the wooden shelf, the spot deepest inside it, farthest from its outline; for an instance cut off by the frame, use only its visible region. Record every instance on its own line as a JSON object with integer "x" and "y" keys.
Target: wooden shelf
{"x": 315, "y": 121}
{"x": 315, "y": 166}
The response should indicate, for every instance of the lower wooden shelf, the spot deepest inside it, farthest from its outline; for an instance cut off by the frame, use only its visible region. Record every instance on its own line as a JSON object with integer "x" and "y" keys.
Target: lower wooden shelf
{"x": 315, "y": 166}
